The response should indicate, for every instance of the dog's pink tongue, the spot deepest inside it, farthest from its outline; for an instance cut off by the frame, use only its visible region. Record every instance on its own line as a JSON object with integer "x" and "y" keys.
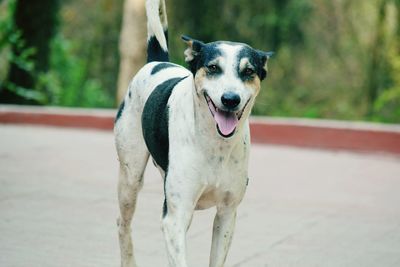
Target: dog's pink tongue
{"x": 226, "y": 121}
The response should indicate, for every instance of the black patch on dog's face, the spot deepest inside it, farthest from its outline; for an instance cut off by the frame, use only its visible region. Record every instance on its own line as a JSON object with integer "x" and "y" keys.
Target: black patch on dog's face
{"x": 161, "y": 66}
{"x": 120, "y": 110}
{"x": 155, "y": 122}
{"x": 256, "y": 59}
{"x": 206, "y": 54}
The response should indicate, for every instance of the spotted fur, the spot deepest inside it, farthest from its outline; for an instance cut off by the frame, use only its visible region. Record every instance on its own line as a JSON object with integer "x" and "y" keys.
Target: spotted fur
{"x": 194, "y": 125}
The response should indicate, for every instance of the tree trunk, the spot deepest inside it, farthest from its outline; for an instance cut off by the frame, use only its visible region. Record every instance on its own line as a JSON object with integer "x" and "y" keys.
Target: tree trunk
{"x": 377, "y": 57}
{"x": 397, "y": 2}
{"x": 36, "y": 20}
{"x": 132, "y": 43}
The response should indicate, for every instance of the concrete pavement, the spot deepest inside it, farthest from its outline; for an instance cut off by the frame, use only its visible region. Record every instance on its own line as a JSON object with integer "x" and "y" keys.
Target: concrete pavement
{"x": 303, "y": 207}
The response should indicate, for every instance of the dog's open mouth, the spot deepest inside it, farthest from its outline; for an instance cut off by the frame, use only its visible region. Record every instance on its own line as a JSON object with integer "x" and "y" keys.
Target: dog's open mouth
{"x": 226, "y": 120}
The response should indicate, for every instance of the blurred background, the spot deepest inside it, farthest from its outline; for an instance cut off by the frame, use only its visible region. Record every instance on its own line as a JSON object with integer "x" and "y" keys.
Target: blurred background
{"x": 334, "y": 59}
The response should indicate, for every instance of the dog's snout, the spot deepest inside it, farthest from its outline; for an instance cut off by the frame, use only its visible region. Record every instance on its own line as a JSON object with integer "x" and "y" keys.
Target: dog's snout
{"x": 230, "y": 99}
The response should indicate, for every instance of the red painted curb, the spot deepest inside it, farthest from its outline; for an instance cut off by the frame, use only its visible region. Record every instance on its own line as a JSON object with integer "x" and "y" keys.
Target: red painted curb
{"x": 59, "y": 120}
{"x": 356, "y": 139}
{"x": 355, "y": 136}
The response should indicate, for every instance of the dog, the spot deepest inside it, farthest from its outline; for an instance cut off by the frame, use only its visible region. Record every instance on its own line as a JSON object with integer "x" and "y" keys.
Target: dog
{"x": 194, "y": 123}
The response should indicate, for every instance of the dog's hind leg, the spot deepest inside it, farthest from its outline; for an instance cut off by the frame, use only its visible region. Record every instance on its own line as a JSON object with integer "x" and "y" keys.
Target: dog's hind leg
{"x": 133, "y": 156}
{"x": 129, "y": 184}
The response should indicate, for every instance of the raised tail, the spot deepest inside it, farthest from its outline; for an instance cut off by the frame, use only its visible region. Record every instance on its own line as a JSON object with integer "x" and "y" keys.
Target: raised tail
{"x": 157, "y": 31}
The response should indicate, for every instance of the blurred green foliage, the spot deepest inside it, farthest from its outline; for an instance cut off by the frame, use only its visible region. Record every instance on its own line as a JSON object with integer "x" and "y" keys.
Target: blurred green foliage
{"x": 20, "y": 55}
{"x": 330, "y": 55}
{"x": 85, "y": 55}
{"x": 334, "y": 59}
{"x": 27, "y": 42}
{"x": 387, "y": 105}
{"x": 68, "y": 82}
{"x": 83, "y": 65}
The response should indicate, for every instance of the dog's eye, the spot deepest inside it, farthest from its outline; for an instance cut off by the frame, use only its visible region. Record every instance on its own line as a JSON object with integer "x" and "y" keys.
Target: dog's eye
{"x": 213, "y": 68}
{"x": 248, "y": 71}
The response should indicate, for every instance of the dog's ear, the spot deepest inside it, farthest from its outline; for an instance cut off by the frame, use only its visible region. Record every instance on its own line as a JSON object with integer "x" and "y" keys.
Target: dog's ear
{"x": 193, "y": 48}
{"x": 264, "y": 56}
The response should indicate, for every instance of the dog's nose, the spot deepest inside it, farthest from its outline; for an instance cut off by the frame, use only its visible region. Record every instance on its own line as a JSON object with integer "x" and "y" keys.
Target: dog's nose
{"x": 230, "y": 99}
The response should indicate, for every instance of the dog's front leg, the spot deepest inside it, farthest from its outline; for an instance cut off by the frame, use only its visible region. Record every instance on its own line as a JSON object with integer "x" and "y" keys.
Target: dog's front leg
{"x": 174, "y": 227}
{"x": 224, "y": 224}
{"x": 180, "y": 204}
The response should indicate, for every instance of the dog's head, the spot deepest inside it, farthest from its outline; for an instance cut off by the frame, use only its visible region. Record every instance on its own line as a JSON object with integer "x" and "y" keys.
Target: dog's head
{"x": 227, "y": 76}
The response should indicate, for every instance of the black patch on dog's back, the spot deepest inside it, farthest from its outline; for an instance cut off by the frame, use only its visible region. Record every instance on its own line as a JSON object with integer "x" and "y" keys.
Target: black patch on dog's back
{"x": 161, "y": 66}
{"x": 120, "y": 110}
{"x": 155, "y": 122}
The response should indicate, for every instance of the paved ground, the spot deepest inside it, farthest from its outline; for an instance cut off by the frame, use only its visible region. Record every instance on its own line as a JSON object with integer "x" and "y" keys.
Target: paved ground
{"x": 303, "y": 208}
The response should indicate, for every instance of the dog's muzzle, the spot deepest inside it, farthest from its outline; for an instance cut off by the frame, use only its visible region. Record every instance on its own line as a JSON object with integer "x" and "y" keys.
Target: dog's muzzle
{"x": 226, "y": 121}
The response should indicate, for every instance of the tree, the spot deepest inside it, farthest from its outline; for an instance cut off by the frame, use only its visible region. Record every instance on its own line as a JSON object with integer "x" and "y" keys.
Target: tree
{"x": 378, "y": 59}
{"x": 132, "y": 44}
{"x": 36, "y": 21}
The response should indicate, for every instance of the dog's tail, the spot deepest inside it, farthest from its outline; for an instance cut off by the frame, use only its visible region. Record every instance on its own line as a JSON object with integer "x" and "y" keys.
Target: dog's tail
{"x": 157, "y": 31}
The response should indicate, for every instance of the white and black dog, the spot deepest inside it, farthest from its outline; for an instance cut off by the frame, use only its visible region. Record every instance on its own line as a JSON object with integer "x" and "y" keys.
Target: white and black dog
{"x": 194, "y": 124}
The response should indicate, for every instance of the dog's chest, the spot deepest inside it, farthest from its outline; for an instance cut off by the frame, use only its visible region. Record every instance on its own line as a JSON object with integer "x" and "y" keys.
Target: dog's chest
{"x": 220, "y": 172}
{"x": 225, "y": 177}
{"x": 224, "y": 165}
